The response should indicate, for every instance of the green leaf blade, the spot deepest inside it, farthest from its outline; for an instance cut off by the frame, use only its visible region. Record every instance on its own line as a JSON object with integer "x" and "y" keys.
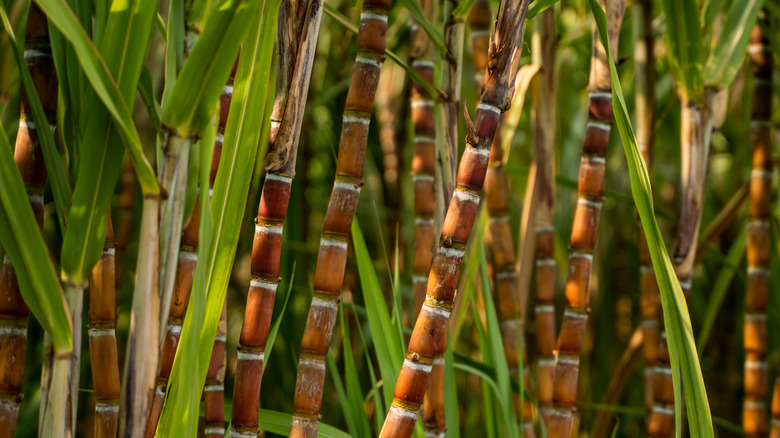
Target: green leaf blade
{"x": 724, "y": 61}
{"x": 194, "y": 98}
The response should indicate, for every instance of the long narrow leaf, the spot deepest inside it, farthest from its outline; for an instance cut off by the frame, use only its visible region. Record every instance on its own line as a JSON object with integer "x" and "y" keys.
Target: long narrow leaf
{"x": 123, "y": 46}
{"x": 279, "y": 423}
{"x": 684, "y": 43}
{"x": 724, "y": 61}
{"x": 414, "y": 8}
{"x": 60, "y": 14}
{"x": 194, "y": 98}
{"x": 389, "y": 348}
{"x": 682, "y": 346}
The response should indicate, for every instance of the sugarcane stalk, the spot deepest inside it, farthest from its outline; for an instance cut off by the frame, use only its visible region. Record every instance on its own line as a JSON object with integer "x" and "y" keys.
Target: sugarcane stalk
{"x": 430, "y": 328}
{"x": 650, "y": 304}
{"x": 510, "y": 302}
{"x": 424, "y": 159}
{"x": 391, "y": 113}
{"x": 758, "y": 245}
{"x": 28, "y": 156}
{"x": 214, "y": 391}
{"x": 188, "y": 257}
{"x": 563, "y": 418}
{"x": 331, "y": 259}
{"x": 426, "y": 207}
{"x": 173, "y": 177}
{"x": 103, "y": 358}
{"x": 543, "y": 120}
{"x": 450, "y": 110}
{"x": 299, "y": 24}
{"x": 446, "y": 152}
{"x": 136, "y": 395}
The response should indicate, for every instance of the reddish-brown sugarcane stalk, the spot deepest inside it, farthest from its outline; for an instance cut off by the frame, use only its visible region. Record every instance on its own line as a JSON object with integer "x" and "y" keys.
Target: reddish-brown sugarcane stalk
{"x": 543, "y": 119}
{"x": 214, "y": 391}
{"x": 332, "y": 256}
{"x": 103, "y": 357}
{"x": 562, "y": 420}
{"x": 423, "y": 169}
{"x": 431, "y": 326}
{"x": 390, "y": 113}
{"x": 299, "y": 24}
{"x": 29, "y": 159}
{"x": 423, "y": 162}
{"x": 758, "y": 252}
{"x": 774, "y": 429}
{"x": 509, "y": 305}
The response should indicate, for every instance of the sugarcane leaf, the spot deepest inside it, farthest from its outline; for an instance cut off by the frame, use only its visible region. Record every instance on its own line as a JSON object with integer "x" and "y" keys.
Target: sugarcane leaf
{"x": 538, "y": 6}
{"x": 60, "y": 14}
{"x": 279, "y": 423}
{"x": 723, "y": 62}
{"x": 451, "y": 414}
{"x": 684, "y": 44}
{"x": 352, "y": 406}
{"x": 709, "y": 14}
{"x": 54, "y": 166}
{"x": 123, "y": 46}
{"x": 414, "y": 8}
{"x": 682, "y": 346}
{"x": 495, "y": 349}
{"x": 341, "y": 394}
{"x": 511, "y": 118}
{"x": 269, "y": 342}
{"x": 379, "y": 418}
{"x": 193, "y": 99}
{"x": 174, "y": 48}
{"x": 463, "y": 8}
{"x": 720, "y": 288}
{"x": 146, "y": 91}
{"x": 387, "y": 344}
{"x": 162, "y": 30}
{"x": 247, "y": 127}
{"x": 24, "y": 246}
